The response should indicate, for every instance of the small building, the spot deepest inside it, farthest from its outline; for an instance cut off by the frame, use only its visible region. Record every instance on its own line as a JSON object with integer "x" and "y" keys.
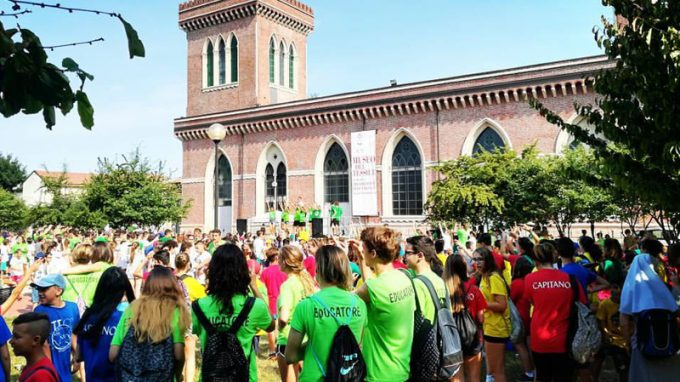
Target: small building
{"x": 34, "y": 191}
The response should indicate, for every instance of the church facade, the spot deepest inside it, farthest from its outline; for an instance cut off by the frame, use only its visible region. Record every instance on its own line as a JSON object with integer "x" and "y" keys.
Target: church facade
{"x": 247, "y": 71}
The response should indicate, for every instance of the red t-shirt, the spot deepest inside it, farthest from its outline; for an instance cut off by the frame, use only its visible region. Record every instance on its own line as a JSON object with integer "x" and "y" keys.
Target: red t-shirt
{"x": 397, "y": 264}
{"x": 513, "y": 259}
{"x": 549, "y": 291}
{"x": 474, "y": 299}
{"x": 310, "y": 265}
{"x": 518, "y": 297}
{"x": 499, "y": 259}
{"x": 41, "y": 371}
{"x": 273, "y": 277}
{"x": 254, "y": 266}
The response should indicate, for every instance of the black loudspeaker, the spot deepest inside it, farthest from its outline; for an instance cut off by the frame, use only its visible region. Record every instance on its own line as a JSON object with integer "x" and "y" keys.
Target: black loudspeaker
{"x": 242, "y": 226}
{"x": 317, "y": 227}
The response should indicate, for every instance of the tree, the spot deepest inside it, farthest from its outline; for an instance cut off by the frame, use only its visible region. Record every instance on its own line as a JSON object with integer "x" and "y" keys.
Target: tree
{"x": 30, "y": 84}
{"x": 131, "y": 192}
{"x": 13, "y": 212}
{"x": 12, "y": 173}
{"x": 635, "y": 119}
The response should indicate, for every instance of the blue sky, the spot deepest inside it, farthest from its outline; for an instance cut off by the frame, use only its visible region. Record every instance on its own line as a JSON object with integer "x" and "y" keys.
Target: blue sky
{"x": 355, "y": 45}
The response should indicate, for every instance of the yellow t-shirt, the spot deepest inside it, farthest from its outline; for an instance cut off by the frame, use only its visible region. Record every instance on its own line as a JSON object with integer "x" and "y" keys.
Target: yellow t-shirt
{"x": 442, "y": 257}
{"x": 495, "y": 324}
{"x": 608, "y": 315}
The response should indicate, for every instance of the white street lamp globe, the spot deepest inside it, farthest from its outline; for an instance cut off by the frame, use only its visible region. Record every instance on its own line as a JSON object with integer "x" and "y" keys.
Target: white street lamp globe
{"x": 217, "y": 132}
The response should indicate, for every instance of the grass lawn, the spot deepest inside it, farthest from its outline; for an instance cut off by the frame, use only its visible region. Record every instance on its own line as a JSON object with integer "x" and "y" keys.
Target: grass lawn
{"x": 267, "y": 370}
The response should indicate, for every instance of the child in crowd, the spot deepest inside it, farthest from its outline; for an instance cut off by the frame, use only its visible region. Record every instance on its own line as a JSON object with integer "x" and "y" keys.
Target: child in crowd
{"x": 615, "y": 344}
{"x": 29, "y": 335}
{"x": 63, "y": 317}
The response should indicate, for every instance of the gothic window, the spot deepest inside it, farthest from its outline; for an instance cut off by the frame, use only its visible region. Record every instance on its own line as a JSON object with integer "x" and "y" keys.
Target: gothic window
{"x": 488, "y": 140}
{"x": 281, "y": 181}
{"x": 224, "y": 181}
{"x": 233, "y": 54}
{"x": 222, "y": 59}
{"x": 291, "y": 67}
{"x": 336, "y": 175}
{"x": 209, "y": 64}
{"x": 407, "y": 182}
{"x": 282, "y": 62}
{"x": 272, "y": 59}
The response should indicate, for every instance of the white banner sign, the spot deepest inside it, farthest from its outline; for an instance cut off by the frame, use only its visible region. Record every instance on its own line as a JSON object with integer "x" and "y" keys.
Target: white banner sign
{"x": 364, "y": 187}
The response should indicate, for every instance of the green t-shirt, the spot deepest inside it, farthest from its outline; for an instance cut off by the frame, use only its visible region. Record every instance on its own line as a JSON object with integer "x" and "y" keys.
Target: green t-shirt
{"x": 23, "y": 247}
{"x": 426, "y": 303}
{"x": 389, "y": 333}
{"x": 315, "y": 214}
{"x": 124, "y": 325}
{"x": 212, "y": 247}
{"x": 83, "y": 285}
{"x": 284, "y": 216}
{"x": 311, "y": 318}
{"x": 290, "y": 294}
{"x": 462, "y": 236}
{"x": 258, "y": 319}
{"x": 336, "y": 212}
{"x": 73, "y": 242}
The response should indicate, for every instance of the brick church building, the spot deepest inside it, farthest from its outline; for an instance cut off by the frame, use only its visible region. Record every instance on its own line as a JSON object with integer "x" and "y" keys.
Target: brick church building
{"x": 247, "y": 71}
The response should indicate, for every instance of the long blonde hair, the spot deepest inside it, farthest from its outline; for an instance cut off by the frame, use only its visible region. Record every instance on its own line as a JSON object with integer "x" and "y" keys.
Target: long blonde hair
{"x": 290, "y": 261}
{"x": 153, "y": 312}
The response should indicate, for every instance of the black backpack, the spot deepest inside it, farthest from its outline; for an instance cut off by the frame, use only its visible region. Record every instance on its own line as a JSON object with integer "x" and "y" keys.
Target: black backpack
{"x": 223, "y": 357}
{"x": 345, "y": 362}
{"x": 145, "y": 361}
{"x": 450, "y": 348}
{"x": 657, "y": 333}
{"x": 467, "y": 328}
{"x": 424, "y": 350}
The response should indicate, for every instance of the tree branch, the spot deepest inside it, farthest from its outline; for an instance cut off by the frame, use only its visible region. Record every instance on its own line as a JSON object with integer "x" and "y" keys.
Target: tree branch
{"x": 74, "y": 44}
{"x": 16, "y": 14}
{"x": 16, "y": 7}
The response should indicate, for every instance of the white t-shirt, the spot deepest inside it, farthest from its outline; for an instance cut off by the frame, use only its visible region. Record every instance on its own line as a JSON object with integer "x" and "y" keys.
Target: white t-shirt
{"x": 16, "y": 266}
{"x": 258, "y": 247}
{"x": 447, "y": 241}
{"x": 199, "y": 272}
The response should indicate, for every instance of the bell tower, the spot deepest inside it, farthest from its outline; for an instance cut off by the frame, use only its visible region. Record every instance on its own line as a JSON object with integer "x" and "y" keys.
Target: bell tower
{"x": 244, "y": 53}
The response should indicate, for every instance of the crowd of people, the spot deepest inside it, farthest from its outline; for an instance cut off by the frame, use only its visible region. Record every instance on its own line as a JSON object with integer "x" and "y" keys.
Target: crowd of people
{"x": 137, "y": 305}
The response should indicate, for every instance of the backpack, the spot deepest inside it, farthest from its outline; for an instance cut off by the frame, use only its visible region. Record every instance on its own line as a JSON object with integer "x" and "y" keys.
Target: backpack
{"x": 450, "y": 349}
{"x": 424, "y": 350}
{"x": 584, "y": 334}
{"x": 467, "y": 328}
{"x": 80, "y": 301}
{"x": 657, "y": 333}
{"x": 345, "y": 362}
{"x": 145, "y": 361}
{"x": 517, "y": 331}
{"x": 223, "y": 356}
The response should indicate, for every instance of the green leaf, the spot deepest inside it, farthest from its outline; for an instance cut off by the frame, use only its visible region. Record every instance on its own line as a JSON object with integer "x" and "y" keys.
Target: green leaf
{"x": 48, "y": 115}
{"x": 135, "y": 45}
{"x": 69, "y": 64}
{"x": 85, "y": 110}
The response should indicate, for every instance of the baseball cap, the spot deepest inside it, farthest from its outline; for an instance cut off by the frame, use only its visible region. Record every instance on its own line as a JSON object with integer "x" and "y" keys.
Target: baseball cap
{"x": 101, "y": 239}
{"x": 50, "y": 280}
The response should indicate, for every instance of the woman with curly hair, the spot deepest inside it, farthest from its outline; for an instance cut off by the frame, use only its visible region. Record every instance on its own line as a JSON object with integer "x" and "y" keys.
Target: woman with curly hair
{"x": 161, "y": 298}
{"x": 298, "y": 286}
{"x": 228, "y": 285}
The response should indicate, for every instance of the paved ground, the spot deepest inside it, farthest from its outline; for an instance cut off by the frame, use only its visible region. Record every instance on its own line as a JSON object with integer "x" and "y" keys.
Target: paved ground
{"x": 22, "y": 306}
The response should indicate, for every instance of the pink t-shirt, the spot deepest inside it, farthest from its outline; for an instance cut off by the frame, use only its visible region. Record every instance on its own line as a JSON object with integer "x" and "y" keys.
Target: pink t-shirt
{"x": 310, "y": 265}
{"x": 273, "y": 277}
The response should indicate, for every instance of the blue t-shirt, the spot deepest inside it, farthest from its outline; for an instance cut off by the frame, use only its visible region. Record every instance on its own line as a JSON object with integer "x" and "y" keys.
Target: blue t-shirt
{"x": 5, "y": 335}
{"x": 62, "y": 322}
{"x": 584, "y": 276}
{"x": 98, "y": 368}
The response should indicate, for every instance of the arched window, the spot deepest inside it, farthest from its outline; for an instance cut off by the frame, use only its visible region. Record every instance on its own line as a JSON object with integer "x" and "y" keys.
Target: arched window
{"x": 336, "y": 175}
{"x": 272, "y": 59}
{"x": 268, "y": 184}
{"x": 488, "y": 140}
{"x": 282, "y": 62}
{"x": 281, "y": 181}
{"x": 224, "y": 181}
{"x": 407, "y": 182}
{"x": 291, "y": 67}
{"x": 233, "y": 54}
{"x": 222, "y": 59}
{"x": 209, "y": 65}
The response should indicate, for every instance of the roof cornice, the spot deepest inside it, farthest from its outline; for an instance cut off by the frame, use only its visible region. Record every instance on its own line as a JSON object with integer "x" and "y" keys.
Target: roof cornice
{"x": 237, "y": 11}
{"x": 484, "y": 89}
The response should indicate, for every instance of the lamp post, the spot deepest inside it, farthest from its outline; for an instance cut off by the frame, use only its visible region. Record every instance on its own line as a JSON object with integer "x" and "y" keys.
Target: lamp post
{"x": 216, "y": 133}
